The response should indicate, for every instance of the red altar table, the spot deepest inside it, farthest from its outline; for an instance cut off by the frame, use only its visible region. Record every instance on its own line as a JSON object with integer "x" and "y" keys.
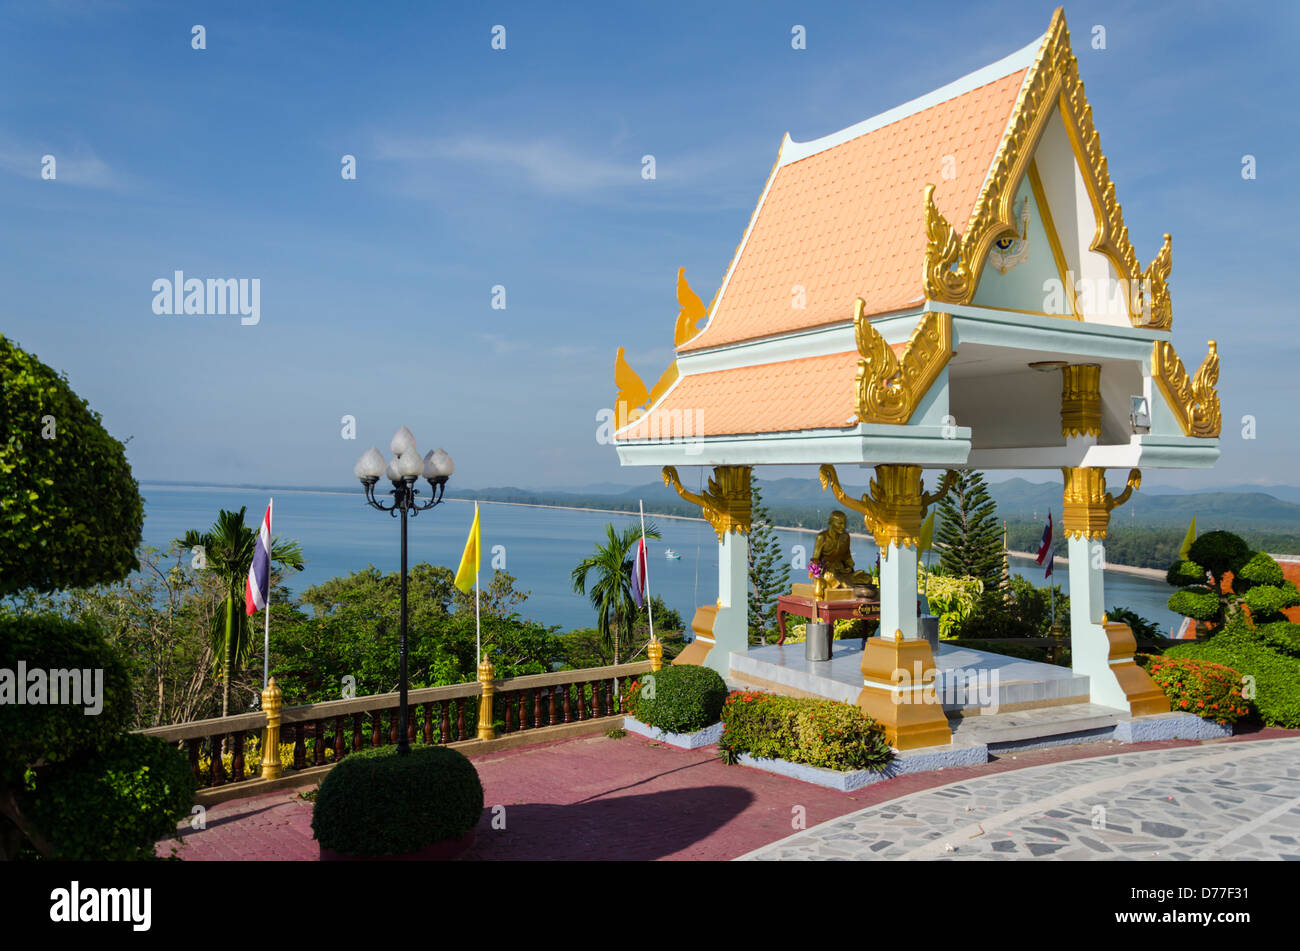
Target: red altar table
{"x": 856, "y": 608}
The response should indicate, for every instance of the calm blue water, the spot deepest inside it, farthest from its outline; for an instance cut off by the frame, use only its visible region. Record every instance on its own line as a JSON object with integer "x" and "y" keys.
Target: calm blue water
{"x": 339, "y": 533}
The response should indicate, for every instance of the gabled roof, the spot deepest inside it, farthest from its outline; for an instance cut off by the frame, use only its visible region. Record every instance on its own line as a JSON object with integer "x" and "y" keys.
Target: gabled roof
{"x": 842, "y": 216}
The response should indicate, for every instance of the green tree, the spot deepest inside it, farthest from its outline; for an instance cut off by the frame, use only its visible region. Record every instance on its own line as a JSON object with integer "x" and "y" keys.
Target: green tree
{"x": 227, "y": 549}
{"x": 1207, "y": 594}
{"x": 769, "y": 572}
{"x": 968, "y": 539}
{"x": 70, "y": 511}
{"x": 611, "y": 587}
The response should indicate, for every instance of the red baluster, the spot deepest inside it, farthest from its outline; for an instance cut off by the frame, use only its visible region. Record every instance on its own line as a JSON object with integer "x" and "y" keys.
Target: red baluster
{"x": 193, "y": 746}
{"x": 428, "y": 723}
{"x": 237, "y": 756}
{"x": 460, "y": 718}
{"x": 510, "y": 712}
{"x": 377, "y": 735}
{"x": 568, "y": 707}
{"x": 392, "y": 729}
{"x": 412, "y": 719}
{"x": 318, "y": 744}
{"x": 217, "y": 772}
{"x": 550, "y": 706}
{"x": 523, "y": 709}
{"x": 609, "y": 698}
{"x": 596, "y": 712}
{"x": 444, "y": 730}
{"x": 340, "y": 742}
{"x": 356, "y": 732}
{"x": 299, "y": 748}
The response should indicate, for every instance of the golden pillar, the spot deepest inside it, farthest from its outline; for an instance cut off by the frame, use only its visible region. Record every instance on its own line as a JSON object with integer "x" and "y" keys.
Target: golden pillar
{"x": 485, "y": 728}
{"x": 898, "y": 667}
{"x": 1081, "y": 400}
{"x": 272, "y": 706}
{"x": 656, "y": 654}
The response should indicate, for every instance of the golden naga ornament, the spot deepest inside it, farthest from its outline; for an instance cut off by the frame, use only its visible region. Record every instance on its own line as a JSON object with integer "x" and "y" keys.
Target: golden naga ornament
{"x": 1195, "y": 401}
{"x": 726, "y": 503}
{"x": 1086, "y": 502}
{"x": 953, "y": 264}
{"x": 633, "y": 399}
{"x": 889, "y": 388}
{"x": 1081, "y": 400}
{"x": 896, "y": 502}
{"x": 1153, "y": 300}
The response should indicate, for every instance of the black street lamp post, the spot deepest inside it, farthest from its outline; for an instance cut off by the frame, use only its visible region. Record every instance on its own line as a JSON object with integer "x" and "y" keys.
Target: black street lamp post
{"x": 403, "y": 471}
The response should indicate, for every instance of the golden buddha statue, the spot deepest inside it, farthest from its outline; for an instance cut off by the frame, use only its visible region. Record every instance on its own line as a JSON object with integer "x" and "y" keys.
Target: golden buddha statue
{"x": 833, "y": 554}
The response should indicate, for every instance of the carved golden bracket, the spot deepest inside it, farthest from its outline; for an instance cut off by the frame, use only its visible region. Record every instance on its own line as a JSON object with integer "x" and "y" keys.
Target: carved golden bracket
{"x": 1153, "y": 291}
{"x": 1087, "y": 504}
{"x": 633, "y": 399}
{"x": 889, "y": 389}
{"x": 1195, "y": 401}
{"x": 726, "y": 503}
{"x": 1081, "y": 400}
{"x": 953, "y": 264}
{"x": 896, "y": 503}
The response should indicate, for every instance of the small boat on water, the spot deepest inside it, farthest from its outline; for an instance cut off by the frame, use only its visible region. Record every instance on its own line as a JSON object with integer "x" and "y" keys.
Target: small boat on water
{"x": 672, "y": 555}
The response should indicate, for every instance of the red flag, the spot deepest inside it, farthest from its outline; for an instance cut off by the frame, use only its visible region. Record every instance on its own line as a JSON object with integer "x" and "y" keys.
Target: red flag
{"x": 1045, "y": 554}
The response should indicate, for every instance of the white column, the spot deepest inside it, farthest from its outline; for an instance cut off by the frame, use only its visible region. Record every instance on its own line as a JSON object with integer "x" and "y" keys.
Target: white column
{"x": 731, "y": 627}
{"x": 1089, "y": 646}
{"x": 898, "y": 591}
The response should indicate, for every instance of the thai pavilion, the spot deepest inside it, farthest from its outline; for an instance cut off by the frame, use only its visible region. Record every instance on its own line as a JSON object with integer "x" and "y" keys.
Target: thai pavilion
{"x": 947, "y": 285}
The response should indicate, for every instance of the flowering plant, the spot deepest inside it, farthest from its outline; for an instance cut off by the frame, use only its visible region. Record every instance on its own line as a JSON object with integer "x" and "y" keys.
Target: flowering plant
{"x": 1209, "y": 690}
{"x": 814, "y": 569}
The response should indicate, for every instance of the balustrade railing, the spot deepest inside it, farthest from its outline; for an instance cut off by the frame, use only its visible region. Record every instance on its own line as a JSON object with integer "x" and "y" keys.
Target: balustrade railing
{"x": 229, "y": 749}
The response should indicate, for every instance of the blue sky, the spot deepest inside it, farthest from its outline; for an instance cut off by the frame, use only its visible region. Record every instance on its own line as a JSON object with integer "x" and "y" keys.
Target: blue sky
{"x": 522, "y": 168}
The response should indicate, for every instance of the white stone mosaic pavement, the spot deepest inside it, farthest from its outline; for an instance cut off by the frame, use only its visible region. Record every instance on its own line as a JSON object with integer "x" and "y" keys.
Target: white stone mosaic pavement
{"x": 1217, "y": 801}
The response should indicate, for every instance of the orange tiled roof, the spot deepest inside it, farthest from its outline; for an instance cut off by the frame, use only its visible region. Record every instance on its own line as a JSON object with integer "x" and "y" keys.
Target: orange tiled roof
{"x": 792, "y": 395}
{"x": 847, "y": 221}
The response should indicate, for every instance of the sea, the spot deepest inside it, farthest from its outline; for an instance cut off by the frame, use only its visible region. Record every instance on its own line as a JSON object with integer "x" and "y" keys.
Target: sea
{"x": 539, "y": 545}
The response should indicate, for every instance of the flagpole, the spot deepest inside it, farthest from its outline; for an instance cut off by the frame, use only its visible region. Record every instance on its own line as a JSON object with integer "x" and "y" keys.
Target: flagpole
{"x": 266, "y": 649}
{"x": 649, "y": 606}
{"x": 478, "y": 635}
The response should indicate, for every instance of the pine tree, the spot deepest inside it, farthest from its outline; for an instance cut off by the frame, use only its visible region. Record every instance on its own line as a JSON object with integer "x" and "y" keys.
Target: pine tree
{"x": 769, "y": 572}
{"x": 969, "y": 538}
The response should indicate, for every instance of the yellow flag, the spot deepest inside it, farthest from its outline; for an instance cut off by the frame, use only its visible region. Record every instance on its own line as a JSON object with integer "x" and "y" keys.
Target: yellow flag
{"x": 467, "y": 573}
{"x": 927, "y": 535}
{"x": 1185, "y": 552}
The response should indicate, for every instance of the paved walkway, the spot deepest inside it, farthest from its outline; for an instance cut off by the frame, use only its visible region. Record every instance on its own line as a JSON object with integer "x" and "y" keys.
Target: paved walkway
{"x": 1218, "y": 801}
{"x": 631, "y": 798}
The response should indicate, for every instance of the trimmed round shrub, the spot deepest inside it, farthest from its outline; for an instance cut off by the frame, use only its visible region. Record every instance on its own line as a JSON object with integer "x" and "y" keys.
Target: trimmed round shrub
{"x": 1183, "y": 574}
{"x": 1209, "y": 690}
{"x": 1260, "y": 569}
{"x": 1220, "y": 552}
{"x": 113, "y": 805}
{"x": 1266, "y": 601}
{"x": 377, "y": 802}
{"x": 1198, "y": 604}
{"x": 679, "y": 699}
{"x": 70, "y": 511}
{"x": 50, "y": 732}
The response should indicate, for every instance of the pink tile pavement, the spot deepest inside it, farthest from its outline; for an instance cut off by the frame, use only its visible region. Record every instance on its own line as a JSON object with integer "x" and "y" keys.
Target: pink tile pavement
{"x": 598, "y": 798}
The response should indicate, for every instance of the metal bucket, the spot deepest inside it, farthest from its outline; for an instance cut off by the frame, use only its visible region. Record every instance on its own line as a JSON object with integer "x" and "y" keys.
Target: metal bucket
{"x": 930, "y": 631}
{"x": 817, "y": 645}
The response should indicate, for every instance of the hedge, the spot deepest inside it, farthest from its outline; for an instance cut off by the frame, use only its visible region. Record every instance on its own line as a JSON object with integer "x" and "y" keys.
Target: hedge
{"x": 679, "y": 699}
{"x": 378, "y": 802}
{"x": 1275, "y": 676}
{"x": 823, "y": 733}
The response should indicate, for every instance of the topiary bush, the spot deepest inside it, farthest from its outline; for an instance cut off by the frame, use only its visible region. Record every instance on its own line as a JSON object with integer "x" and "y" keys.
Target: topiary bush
{"x": 1281, "y": 636}
{"x": 1183, "y": 574}
{"x": 1268, "y": 601}
{"x": 1219, "y": 553}
{"x": 1199, "y": 604}
{"x": 679, "y": 699}
{"x": 55, "y": 455}
{"x": 115, "y": 805}
{"x": 377, "y": 802}
{"x": 1208, "y": 689}
{"x": 824, "y": 733}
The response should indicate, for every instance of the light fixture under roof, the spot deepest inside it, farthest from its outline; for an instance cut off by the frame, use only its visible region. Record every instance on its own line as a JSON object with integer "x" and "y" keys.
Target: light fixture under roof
{"x": 1047, "y": 366}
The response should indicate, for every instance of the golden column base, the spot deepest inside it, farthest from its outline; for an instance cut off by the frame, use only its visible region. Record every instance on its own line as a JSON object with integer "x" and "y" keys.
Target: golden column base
{"x": 272, "y": 704}
{"x": 655, "y": 651}
{"x": 698, "y": 649}
{"x": 903, "y": 669}
{"x": 1143, "y": 694}
{"x": 485, "y": 729}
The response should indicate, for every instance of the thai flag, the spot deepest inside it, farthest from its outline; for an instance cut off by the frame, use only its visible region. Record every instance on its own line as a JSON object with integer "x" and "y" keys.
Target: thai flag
{"x": 258, "y": 586}
{"x": 639, "y": 573}
{"x": 1045, "y": 554}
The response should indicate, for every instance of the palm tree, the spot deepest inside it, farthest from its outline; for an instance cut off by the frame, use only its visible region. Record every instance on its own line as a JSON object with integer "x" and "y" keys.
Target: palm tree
{"x": 611, "y": 593}
{"x": 228, "y": 549}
